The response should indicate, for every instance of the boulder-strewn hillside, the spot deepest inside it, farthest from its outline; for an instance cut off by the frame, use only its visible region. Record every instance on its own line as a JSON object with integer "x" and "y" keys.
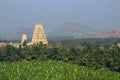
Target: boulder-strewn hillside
{"x": 105, "y": 34}
{"x": 111, "y": 33}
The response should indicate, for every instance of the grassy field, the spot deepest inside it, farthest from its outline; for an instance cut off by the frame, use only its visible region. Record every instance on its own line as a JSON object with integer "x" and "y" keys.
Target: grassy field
{"x": 52, "y": 70}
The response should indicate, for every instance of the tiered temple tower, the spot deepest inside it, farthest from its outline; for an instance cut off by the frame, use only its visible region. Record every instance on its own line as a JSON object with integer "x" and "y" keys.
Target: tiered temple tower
{"x": 24, "y": 38}
{"x": 39, "y": 35}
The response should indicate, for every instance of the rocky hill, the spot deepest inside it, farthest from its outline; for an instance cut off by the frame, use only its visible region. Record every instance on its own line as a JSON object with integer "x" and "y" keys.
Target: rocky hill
{"x": 71, "y": 29}
{"x": 105, "y": 34}
{"x": 17, "y": 33}
{"x": 111, "y": 33}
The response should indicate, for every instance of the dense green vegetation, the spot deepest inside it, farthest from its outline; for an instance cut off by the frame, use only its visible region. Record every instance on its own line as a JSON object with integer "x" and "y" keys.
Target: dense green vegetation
{"x": 93, "y": 53}
{"x": 52, "y": 70}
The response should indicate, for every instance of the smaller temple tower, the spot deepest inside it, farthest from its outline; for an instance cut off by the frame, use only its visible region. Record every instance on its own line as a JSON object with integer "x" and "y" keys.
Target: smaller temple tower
{"x": 24, "y": 38}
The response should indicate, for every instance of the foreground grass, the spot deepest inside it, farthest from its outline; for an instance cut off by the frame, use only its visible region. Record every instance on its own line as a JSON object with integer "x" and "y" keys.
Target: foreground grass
{"x": 52, "y": 70}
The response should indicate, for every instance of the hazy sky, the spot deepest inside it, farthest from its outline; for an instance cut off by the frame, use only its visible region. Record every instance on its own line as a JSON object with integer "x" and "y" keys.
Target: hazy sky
{"x": 100, "y": 14}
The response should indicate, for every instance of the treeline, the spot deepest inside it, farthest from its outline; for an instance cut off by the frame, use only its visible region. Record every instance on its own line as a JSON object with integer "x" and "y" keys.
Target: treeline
{"x": 94, "y": 55}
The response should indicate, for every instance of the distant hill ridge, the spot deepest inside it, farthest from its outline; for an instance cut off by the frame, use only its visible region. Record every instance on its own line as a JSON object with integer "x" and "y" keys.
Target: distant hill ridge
{"x": 65, "y": 31}
{"x": 72, "y": 29}
{"x": 17, "y": 33}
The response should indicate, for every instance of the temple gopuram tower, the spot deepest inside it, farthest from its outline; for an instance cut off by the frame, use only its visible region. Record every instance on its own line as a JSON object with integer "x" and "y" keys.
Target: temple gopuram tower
{"x": 39, "y": 35}
{"x": 24, "y": 38}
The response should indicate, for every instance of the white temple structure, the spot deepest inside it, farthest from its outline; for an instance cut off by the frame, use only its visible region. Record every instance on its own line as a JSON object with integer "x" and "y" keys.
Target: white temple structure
{"x": 24, "y": 38}
{"x": 38, "y": 36}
